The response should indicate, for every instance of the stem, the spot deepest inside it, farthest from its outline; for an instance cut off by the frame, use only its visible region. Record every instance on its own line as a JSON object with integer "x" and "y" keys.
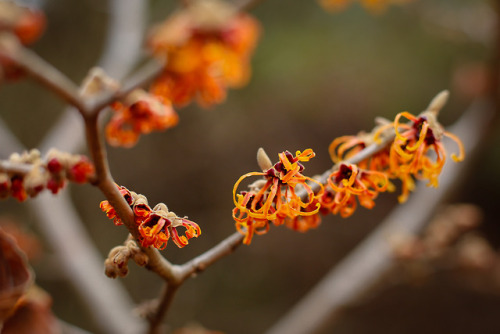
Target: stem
{"x": 166, "y": 300}
{"x": 104, "y": 180}
{"x": 203, "y": 261}
{"x": 144, "y": 75}
{"x": 48, "y": 76}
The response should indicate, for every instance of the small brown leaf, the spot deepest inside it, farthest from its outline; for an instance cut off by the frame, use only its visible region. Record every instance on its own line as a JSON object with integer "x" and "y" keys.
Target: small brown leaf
{"x": 15, "y": 276}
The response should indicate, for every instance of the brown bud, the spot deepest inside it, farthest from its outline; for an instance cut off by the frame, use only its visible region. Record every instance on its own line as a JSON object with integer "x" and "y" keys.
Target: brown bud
{"x": 263, "y": 160}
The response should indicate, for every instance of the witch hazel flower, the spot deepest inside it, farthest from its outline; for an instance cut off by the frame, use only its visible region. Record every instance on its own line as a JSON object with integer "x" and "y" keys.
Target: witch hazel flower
{"x": 417, "y": 150}
{"x": 348, "y": 183}
{"x": 155, "y": 225}
{"x": 139, "y": 113}
{"x": 275, "y": 198}
{"x": 27, "y": 174}
{"x": 206, "y": 47}
{"x": 346, "y": 147}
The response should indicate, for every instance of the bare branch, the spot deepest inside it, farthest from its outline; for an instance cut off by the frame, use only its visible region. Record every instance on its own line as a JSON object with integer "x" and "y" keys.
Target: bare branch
{"x": 44, "y": 73}
{"x": 370, "y": 260}
{"x": 203, "y": 261}
{"x": 145, "y": 74}
{"x": 165, "y": 302}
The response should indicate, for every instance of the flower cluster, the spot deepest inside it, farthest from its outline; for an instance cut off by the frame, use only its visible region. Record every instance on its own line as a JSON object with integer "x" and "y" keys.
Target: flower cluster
{"x": 207, "y": 48}
{"x": 405, "y": 151}
{"x": 374, "y": 6}
{"x": 27, "y": 174}
{"x": 140, "y": 113}
{"x": 416, "y": 152}
{"x": 26, "y": 24}
{"x": 349, "y": 182}
{"x": 155, "y": 225}
{"x": 282, "y": 195}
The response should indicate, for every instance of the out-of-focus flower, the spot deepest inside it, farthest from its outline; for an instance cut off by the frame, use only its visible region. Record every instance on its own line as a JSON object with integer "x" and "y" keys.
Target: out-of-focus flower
{"x": 207, "y": 48}
{"x": 27, "y": 174}
{"x": 349, "y": 182}
{"x": 26, "y": 24}
{"x": 141, "y": 113}
{"x": 156, "y": 226}
{"x": 275, "y": 197}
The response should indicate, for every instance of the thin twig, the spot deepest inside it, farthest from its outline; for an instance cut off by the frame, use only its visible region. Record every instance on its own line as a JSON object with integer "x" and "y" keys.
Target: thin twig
{"x": 48, "y": 76}
{"x": 104, "y": 180}
{"x": 165, "y": 303}
{"x": 201, "y": 262}
{"x": 144, "y": 75}
{"x": 364, "y": 267}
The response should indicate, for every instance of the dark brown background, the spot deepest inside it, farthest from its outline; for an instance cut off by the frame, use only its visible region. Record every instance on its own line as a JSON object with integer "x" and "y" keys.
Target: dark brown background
{"x": 315, "y": 76}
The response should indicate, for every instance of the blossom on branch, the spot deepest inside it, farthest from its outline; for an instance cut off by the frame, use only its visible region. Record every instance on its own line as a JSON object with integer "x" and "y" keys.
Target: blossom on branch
{"x": 275, "y": 198}
{"x": 140, "y": 113}
{"x": 346, "y": 147}
{"x": 207, "y": 48}
{"x": 155, "y": 226}
{"x": 349, "y": 182}
{"x": 417, "y": 149}
{"x": 414, "y": 149}
{"x": 27, "y": 174}
{"x": 26, "y": 25}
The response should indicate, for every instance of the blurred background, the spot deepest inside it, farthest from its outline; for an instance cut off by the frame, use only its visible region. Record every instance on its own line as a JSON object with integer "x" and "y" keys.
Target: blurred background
{"x": 316, "y": 76}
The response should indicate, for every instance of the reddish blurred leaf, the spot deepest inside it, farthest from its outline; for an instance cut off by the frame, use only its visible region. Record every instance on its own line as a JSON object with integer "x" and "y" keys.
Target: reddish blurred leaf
{"x": 33, "y": 315}
{"x": 14, "y": 275}
{"x": 27, "y": 242}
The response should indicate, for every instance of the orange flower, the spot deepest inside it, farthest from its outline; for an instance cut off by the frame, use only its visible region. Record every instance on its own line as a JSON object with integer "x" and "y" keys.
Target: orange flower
{"x": 207, "y": 48}
{"x": 275, "y": 197}
{"x": 410, "y": 151}
{"x": 156, "y": 226}
{"x": 346, "y": 147}
{"x": 110, "y": 211}
{"x": 349, "y": 182}
{"x": 161, "y": 225}
{"x": 26, "y": 24}
{"x": 51, "y": 172}
{"x": 142, "y": 113}
{"x": 303, "y": 223}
